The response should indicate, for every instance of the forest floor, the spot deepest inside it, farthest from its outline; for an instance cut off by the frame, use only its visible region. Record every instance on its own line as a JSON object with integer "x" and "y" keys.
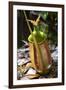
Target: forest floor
{"x": 23, "y": 60}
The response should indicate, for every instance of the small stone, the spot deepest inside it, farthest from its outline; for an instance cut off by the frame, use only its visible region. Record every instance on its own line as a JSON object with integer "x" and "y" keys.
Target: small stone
{"x": 31, "y": 71}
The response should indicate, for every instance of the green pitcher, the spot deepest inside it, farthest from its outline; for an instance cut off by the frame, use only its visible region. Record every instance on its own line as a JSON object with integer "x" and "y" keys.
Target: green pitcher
{"x": 41, "y": 64}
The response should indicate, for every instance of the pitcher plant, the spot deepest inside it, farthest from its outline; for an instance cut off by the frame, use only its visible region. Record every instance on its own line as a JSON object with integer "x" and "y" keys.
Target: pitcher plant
{"x": 40, "y": 55}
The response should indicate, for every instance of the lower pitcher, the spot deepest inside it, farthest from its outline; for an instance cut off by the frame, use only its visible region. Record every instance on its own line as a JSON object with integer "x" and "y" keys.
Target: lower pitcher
{"x": 42, "y": 65}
